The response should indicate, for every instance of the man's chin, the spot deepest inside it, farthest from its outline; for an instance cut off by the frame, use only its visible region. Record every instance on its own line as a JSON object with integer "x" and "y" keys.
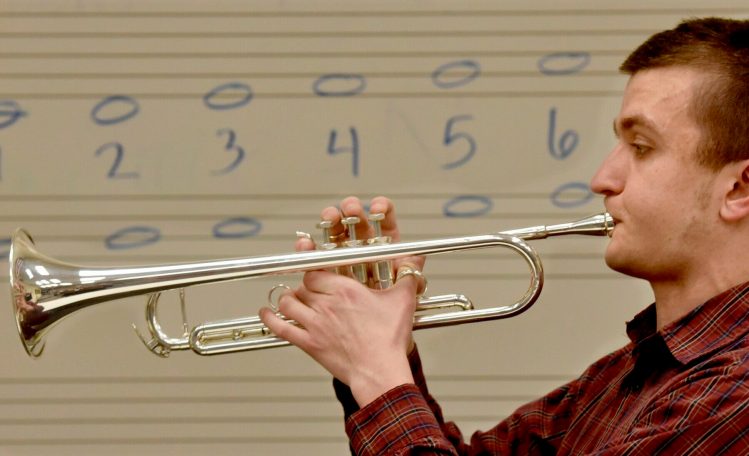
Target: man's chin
{"x": 619, "y": 263}
{"x": 622, "y": 265}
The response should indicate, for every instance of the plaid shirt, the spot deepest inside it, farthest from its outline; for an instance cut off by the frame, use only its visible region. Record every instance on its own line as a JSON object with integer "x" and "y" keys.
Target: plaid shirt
{"x": 683, "y": 390}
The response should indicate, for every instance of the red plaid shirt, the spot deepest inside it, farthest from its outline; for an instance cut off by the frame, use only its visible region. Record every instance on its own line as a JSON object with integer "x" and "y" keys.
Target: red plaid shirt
{"x": 682, "y": 390}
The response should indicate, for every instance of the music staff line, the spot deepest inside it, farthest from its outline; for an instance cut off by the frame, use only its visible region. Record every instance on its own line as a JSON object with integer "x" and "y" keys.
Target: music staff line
{"x": 254, "y": 196}
{"x": 164, "y": 441}
{"x": 175, "y": 14}
{"x": 167, "y": 416}
{"x": 286, "y": 75}
{"x": 326, "y": 34}
{"x": 312, "y": 96}
{"x": 468, "y": 53}
{"x": 262, "y": 378}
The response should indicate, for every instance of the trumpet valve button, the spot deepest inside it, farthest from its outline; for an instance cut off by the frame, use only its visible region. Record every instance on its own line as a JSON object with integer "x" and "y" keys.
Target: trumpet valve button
{"x": 350, "y": 224}
{"x": 325, "y": 226}
{"x": 376, "y": 221}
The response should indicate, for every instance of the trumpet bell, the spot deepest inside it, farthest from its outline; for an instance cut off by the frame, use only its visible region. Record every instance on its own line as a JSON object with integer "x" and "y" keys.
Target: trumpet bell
{"x": 41, "y": 291}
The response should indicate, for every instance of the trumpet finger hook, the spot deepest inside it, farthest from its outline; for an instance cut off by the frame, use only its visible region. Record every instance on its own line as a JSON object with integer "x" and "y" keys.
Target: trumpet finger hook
{"x": 274, "y": 304}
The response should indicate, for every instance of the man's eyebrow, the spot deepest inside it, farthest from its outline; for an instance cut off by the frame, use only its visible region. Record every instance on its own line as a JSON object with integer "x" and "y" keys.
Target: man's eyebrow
{"x": 630, "y": 122}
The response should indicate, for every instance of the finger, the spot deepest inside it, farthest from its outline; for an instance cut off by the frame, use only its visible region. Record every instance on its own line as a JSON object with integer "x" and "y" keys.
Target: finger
{"x": 313, "y": 299}
{"x": 321, "y": 282}
{"x": 284, "y": 329}
{"x": 290, "y": 306}
{"x": 353, "y": 207}
{"x": 336, "y": 230}
{"x": 331, "y": 213}
{"x": 303, "y": 244}
{"x": 389, "y": 225}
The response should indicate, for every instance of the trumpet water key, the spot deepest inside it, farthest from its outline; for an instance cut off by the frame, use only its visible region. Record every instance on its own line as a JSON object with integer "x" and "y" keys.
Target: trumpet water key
{"x": 45, "y": 291}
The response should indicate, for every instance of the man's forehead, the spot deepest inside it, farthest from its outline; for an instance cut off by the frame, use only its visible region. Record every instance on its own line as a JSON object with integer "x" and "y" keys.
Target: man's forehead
{"x": 674, "y": 83}
{"x": 658, "y": 96}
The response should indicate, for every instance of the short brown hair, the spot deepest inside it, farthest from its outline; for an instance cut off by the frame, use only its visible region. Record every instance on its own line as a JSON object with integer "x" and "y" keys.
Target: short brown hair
{"x": 720, "y": 48}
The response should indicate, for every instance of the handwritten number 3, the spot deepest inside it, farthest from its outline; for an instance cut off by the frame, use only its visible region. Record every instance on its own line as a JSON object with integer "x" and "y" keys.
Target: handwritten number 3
{"x": 231, "y": 146}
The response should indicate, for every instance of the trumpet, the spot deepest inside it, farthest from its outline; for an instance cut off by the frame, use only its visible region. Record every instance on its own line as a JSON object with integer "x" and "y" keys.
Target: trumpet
{"x": 45, "y": 290}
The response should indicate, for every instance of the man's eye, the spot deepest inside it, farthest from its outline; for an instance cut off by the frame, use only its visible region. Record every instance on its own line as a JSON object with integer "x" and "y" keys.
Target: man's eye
{"x": 640, "y": 149}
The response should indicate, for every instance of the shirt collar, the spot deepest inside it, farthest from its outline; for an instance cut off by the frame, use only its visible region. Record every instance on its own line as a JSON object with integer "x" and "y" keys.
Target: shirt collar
{"x": 713, "y": 325}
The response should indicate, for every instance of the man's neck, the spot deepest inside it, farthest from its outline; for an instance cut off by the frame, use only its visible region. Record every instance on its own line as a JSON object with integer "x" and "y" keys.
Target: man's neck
{"x": 675, "y": 299}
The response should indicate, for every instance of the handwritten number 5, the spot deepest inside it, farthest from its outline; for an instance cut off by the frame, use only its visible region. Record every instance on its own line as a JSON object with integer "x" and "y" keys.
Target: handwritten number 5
{"x": 231, "y": 146}
{"x": 451, "y": 136}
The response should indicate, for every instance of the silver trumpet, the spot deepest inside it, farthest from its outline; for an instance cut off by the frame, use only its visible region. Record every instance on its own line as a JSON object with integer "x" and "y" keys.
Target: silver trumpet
{"x": 45, "y": 290}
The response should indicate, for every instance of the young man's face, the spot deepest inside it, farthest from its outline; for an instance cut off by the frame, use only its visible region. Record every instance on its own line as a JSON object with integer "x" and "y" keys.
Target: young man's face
{"x": 662, "y": 200}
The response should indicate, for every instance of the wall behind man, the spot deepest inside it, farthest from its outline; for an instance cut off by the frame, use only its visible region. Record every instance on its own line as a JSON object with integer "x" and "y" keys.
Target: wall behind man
{"x": 149, "y": 132}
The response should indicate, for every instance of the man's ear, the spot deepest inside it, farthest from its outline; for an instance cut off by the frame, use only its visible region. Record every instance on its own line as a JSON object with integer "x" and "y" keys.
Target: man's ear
{"x": 736, "y": 202}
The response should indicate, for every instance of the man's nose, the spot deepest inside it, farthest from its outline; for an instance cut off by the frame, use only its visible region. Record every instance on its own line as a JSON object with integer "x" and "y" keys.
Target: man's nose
{"x": 609, "y": 178}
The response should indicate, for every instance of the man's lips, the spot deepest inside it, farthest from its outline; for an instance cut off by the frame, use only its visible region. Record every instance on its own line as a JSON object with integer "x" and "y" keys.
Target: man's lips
{"x": 614, "y": 219}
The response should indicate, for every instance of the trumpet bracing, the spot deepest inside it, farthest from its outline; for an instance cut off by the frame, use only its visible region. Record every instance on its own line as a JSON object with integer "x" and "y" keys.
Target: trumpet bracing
{"x": 44, "y": 290}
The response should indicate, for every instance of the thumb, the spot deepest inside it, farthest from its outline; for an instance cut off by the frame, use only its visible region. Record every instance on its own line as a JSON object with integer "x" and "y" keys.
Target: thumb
{"x": 410, "y": 280}
{"x": 409, "y": 285}
{"x": 416, "y": 262}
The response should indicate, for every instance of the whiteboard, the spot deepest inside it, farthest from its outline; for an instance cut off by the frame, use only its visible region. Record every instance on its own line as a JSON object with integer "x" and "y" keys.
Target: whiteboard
{"x": 150, "y": 132}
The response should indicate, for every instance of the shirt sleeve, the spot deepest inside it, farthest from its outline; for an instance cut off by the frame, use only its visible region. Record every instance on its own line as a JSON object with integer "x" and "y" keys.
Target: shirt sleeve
{"x": 407, "y": 420}
{"x": 400, "y": 422}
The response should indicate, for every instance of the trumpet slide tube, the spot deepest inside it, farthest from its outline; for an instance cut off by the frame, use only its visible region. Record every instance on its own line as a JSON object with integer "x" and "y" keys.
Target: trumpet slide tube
{"x": 45, "y": 290}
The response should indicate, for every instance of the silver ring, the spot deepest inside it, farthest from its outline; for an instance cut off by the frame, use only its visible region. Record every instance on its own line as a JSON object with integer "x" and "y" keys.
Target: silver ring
{"x": 409, "y": 270}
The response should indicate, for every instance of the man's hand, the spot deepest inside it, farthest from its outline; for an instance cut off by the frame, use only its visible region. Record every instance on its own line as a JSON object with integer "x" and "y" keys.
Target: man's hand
{"x": 361, "y": 336}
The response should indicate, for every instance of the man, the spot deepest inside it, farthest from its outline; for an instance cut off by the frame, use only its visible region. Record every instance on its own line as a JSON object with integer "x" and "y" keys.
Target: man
{"x": 677, "y": 185}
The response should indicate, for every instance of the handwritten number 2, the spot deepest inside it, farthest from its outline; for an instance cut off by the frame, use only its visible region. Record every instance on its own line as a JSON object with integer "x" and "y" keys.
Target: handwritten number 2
{"x": 119, "y": 153}
{"x": 231, "y": 146}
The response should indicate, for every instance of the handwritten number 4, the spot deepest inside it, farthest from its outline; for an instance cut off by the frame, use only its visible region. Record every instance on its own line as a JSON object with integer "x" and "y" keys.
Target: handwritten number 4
{"x": 333, "y": 149}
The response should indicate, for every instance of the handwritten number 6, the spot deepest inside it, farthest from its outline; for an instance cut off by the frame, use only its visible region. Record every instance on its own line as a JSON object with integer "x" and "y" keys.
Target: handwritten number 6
{"x": 119, "y": 153}
{"x": 451, "y": 136}
{"x": 567, "y": 142}
{"x": 230, "y": 146}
